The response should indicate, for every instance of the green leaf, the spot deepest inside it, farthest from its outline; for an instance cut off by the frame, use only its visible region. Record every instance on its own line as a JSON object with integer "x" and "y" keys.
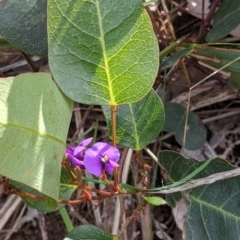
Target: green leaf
{"x": 155, "y": 201}
{"x": 87, "y": 232}
{"x": 66, "y": 219}
{"x": 169, "y": 61}
{"x": 5, "y": 44}
{"x": 24, "y": 24}
{"x": 214, "y": 211}
{"x": 50, "y": 202}
{"x": 221, "y": 57}
{"x": 89, "y": 179}
{"x": 138, "y": 123}
{"x": 175, "y": 121}
{"x": 102, "y": 52}
{"x": 34, "y": 123}
{"x": 65, "y": 192}
{"x": 129, "y": 187}
{"x": 234, "y": 81}
{"x": 225, "y": 20}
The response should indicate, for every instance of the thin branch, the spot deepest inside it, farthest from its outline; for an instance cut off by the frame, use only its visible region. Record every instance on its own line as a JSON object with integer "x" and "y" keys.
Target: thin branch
{"x": 207, "y": 21}
{"x": 30, "y": 62}
{"x": 202, "y": 181}
{"x": 75, "y": 135}
{"x": 197, "y": 84}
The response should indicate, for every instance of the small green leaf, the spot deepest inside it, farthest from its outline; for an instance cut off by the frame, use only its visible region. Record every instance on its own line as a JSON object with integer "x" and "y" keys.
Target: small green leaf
{"x": 175, "y": 121}
{"x": 225, "y": 20}
{"x": 169, "y": 61}
{"x": 138, "y": 123}
{"x": 89, "y": 179}
{"x": 102, "y": 52}
{"x": 129, "y": 187}
{"x": 34, "y": 122}
{"x": 87, "y": 232}
{"x": 155, "y": 201}
{"x": 24, "y": 24}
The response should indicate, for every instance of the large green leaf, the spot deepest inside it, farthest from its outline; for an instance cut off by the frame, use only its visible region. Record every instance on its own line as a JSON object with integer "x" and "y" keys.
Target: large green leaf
{"x": 102, "y": 52}
{"x": 175, "y": 122}
{"x": 138, "y": 123}
{"x": 34, "y": 123}
{"x": 85, "y": 232}
{"x": 214, "y": 211}
{"x": 225, "y": 20}
{"x": 24, "y": 24}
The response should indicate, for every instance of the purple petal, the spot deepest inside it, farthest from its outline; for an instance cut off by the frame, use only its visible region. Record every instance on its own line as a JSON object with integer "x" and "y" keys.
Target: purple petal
{"x": 79, "y": 152}
{"x": 113, "y": 164}
{"x": 75, "y": 162}
{"x": 70, "y": 151}
{"x": 92, "y": 162}
{"x": 100, "y": 146}
{"x": 109, "y": 166}
{"x": 85, "y": 142}
{"x": 106, "y": 149}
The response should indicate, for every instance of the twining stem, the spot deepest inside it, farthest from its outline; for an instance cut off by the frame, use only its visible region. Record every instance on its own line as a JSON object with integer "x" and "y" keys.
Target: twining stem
{"x": 114, "y": 124}
{"x": 115, "y": 186}
{"x": 114, "y": 141}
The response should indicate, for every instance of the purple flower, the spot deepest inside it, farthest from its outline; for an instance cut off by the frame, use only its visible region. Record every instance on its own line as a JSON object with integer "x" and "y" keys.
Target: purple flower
{"x": 101, "y": 156}
{"x": 76, "y": 154}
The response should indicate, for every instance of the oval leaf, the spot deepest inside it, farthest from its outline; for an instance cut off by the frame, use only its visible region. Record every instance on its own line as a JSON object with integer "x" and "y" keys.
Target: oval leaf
{"x": 138, "y": 123}
{"x": 24, "y": 24}
{"x": 102, "y": 52}
{"x": 34, "y": 123}
{"x": 225, "y": 20}
{"x": 155, "y": 201}
{"x": 175, "y": 122}
{"x": 85, "y": 232}
{"x": 129, "y": 187}
{"x": 214, "y": 211}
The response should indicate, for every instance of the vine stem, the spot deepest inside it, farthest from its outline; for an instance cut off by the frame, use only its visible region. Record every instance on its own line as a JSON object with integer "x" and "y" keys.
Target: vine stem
{"x": 114, "y": 141}
{"x": 114, "y": 124}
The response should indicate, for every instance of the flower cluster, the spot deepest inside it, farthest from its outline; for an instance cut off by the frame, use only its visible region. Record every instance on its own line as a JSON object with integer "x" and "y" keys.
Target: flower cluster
{"x": 101, "y": 156}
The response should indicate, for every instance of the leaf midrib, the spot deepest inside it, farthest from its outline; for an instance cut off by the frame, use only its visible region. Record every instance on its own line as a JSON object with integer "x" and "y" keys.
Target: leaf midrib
{"x": 104, "y": 52}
